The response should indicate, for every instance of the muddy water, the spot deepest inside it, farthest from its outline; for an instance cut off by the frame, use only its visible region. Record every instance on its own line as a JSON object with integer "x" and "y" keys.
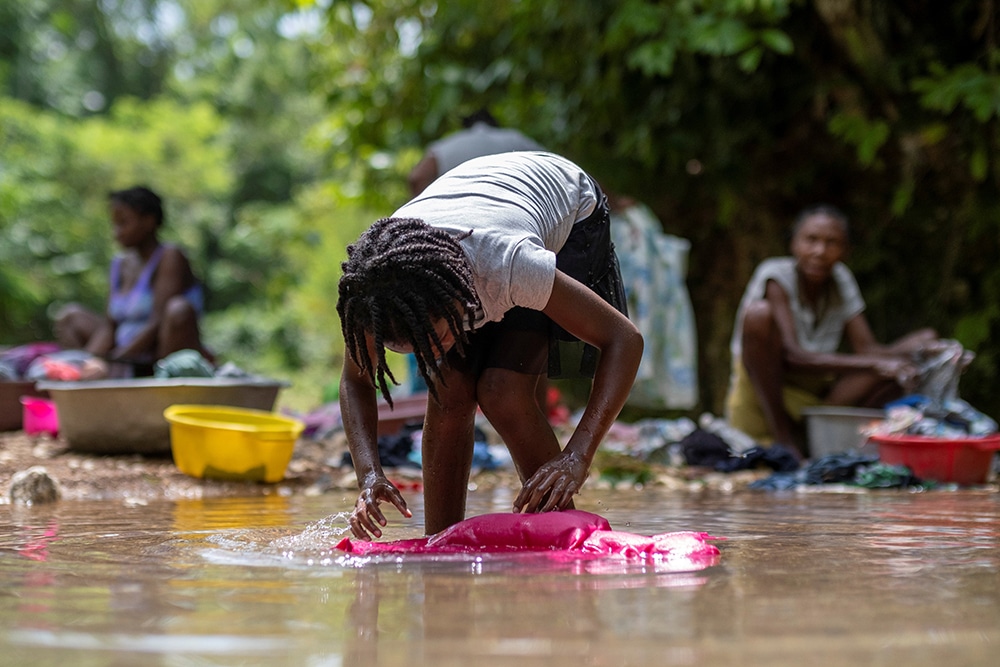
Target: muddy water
{"x": 823, "y": 579}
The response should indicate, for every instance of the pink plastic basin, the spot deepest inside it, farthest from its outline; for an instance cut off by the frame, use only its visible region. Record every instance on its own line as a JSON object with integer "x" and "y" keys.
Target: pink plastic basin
{"x": 39, "y": 416}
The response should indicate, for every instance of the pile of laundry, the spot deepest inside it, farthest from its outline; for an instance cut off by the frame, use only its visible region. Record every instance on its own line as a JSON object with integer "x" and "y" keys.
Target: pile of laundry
{"x": 935, "y": 409}
{"x": 33, "y": 362}
{"x": 918, "y": 414}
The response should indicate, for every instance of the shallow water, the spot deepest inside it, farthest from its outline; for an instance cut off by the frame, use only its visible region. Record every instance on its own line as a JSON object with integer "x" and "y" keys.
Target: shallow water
{"x": 827, "y": 579}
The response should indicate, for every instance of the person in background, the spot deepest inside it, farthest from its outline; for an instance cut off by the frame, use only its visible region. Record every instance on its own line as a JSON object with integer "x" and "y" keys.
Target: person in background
{"x": 477, "y": 276}
{"x": 481, "y": 135}
{"x": 791, "y": 322}
{"x": 154, "y": 302}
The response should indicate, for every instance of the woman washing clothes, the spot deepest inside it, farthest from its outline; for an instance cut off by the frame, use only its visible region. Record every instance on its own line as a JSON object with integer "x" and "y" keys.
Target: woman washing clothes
{"x": 787, "y": 351}
{"x": 496, "y": 263}
{"x": 154, "y": 302}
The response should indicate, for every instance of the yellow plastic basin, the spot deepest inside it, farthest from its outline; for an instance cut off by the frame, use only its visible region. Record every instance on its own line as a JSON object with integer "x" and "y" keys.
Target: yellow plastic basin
{"x": 220, "y": 442}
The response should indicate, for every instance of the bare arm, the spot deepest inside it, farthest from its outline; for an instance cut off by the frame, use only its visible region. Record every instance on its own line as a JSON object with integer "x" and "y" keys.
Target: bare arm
{"x": 103, "y": 339}
{"x": 423, "y": 174}
{"x": 359, "y": 410}
{"x": 867, "y": 353}
{"x": 585, "y": 315}
{"x": 862, "y": 340}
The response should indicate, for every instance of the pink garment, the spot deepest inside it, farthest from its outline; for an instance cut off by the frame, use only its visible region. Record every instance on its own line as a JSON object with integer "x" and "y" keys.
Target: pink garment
{"x": 570, "y": 534}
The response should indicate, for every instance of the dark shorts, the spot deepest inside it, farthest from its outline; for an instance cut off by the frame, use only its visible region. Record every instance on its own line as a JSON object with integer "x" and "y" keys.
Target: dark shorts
{"x": 527, "y": 341}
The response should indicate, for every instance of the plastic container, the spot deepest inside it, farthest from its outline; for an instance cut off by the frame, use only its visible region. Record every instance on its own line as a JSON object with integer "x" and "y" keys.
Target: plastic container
{"x": 126, "y": 416}
{"x": 221, "y": 442}
{"x": 835, "y": 429}
{"x": 39, "y": 416}
{"x": 963, "y": 461}
{"x": 11, "y": 410}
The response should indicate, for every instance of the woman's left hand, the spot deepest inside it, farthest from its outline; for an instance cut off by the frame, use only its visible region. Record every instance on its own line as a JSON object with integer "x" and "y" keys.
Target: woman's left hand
{"x": 94, "y": 368}
{"x": 553, "y": 486}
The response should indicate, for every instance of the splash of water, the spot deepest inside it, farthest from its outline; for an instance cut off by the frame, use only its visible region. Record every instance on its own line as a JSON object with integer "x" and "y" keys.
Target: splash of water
{"x": 315, "y": 539}
{"x": 311, "y": 546}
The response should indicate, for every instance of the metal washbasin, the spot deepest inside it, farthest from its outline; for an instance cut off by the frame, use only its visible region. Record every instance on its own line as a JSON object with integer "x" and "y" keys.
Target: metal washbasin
{"x": 126, "y": 416}
{"x": 836, "y": 429}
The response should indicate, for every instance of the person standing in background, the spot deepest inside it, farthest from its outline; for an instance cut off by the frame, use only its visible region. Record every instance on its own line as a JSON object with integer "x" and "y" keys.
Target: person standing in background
{"x": 481, "y": 135}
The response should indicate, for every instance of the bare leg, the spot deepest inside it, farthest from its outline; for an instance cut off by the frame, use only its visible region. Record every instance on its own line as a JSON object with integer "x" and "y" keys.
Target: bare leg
{"x": 447, "y": 450}
{"x": 542, "y": 394}
{"x": 510, "y": 402}
{"x": 762, "y": 357}
{"x": 75, "y": 325}
{"x": 179, "y": 330}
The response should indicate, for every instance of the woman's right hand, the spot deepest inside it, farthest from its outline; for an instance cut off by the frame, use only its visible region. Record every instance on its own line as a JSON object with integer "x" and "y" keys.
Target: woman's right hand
{"x": 94, "y": 368}
{"x": 904, "y": 372}
{"x": 367, "y": 517}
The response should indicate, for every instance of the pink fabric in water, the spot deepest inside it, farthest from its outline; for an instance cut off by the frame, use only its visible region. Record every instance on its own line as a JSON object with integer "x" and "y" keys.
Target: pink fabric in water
{"x": 573, "y": 533}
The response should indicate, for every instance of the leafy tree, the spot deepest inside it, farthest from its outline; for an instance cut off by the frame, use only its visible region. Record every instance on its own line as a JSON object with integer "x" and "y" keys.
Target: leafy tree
{"x": 209, "y": 103}
{"x": 54, "y": 227}
{"x": 727, "y": 117}
{"x": 80, "y": 56}
{"x": 276, "y": 129}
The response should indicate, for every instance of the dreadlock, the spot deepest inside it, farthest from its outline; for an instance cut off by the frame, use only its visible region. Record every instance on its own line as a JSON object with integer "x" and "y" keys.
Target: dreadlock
{"x": 400, "y": 276}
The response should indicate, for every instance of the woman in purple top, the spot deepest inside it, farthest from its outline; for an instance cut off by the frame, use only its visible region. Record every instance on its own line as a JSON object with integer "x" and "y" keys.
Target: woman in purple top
{"x": 154, "y": 302}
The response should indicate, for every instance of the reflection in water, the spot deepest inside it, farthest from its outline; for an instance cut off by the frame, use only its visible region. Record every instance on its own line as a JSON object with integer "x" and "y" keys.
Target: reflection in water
{"x": 35, "y": 541}
{"x": 834, "y": 579}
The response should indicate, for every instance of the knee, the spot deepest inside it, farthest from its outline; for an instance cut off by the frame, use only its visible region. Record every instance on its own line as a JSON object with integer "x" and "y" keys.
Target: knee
{"x": 68, "y": 314}
{"x": 73, "y": 325}
{"x": 179, "y": 313}
{"x": 761, "y": 339}
{"x": 506, "y": 395}
{"x": 758, "y": 320}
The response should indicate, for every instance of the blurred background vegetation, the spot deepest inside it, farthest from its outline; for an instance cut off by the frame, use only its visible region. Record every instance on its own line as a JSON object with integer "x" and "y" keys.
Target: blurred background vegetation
{"x": 276, "y": 130}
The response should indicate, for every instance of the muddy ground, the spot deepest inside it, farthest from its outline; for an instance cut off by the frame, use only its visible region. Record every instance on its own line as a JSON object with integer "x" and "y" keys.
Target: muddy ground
{"x": 315, "y": 468}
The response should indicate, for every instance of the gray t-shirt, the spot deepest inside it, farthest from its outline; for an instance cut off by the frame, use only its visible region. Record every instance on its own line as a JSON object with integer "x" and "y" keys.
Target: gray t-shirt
{"x": 822, "y": 336}
{"x": 520, "y": 208}
{"x": 479, "y": 140}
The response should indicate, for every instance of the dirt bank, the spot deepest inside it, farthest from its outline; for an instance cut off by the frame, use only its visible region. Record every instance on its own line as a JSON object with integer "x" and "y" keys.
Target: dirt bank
{"x": 314, "y": 469}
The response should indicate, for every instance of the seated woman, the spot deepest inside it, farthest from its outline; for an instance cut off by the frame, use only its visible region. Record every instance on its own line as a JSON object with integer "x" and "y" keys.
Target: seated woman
{"x": 791, "y": 320}
{"x": 154, "y": 302}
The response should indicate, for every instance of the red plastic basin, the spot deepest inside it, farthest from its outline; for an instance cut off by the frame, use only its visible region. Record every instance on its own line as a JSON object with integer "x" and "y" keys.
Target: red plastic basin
{"x": 962, "y": 461}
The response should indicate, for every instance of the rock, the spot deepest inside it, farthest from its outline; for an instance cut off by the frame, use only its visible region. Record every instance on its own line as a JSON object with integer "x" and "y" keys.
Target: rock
{"x": 33, "y": 486}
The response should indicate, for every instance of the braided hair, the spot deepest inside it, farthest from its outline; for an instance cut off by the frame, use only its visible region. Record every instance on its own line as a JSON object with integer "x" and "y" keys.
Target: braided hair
{"x": 400, "y": 277}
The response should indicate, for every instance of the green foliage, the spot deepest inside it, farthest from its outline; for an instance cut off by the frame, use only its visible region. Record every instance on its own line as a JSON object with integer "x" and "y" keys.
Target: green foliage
{"x": 727, "y": 117}
{"x": 656, "y": 34}
{"x": 866, "y": 135}
{"x": 57, "y": 172}
{"x": 278, "y": 129}
{"x": 616, "y": 469}
{"x": 968, "y": 86}
{"x": 227, "y": 142}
